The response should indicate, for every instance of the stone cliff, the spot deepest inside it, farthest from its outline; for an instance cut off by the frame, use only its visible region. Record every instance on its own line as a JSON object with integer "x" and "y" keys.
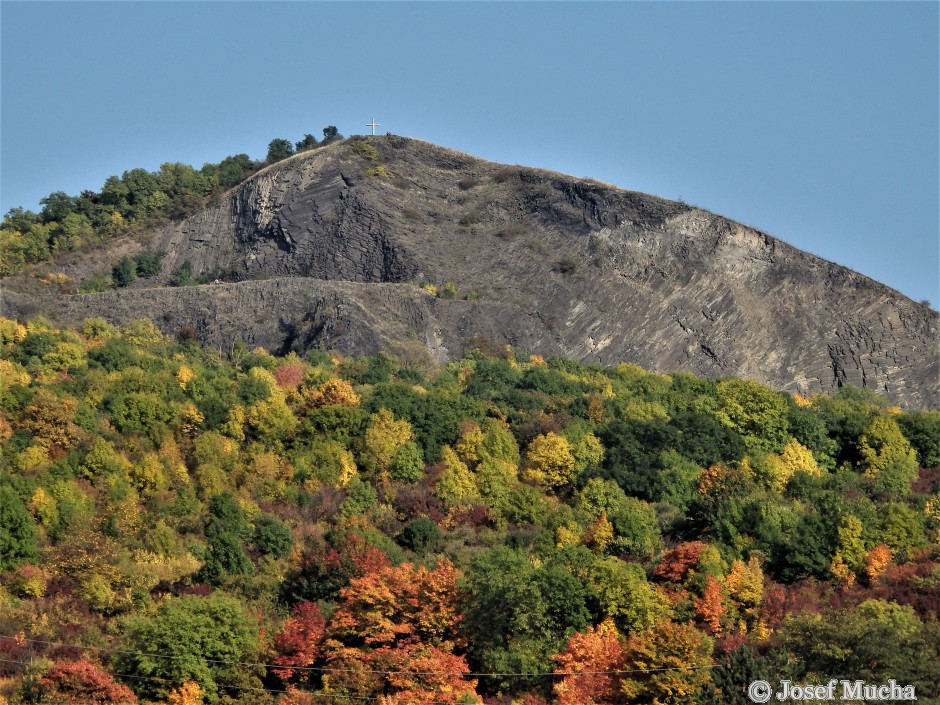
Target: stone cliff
{"x": 327, "y": 249}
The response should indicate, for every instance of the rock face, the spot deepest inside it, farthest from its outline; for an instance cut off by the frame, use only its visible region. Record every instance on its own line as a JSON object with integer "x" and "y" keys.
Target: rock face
{"x": 320, "y": 251}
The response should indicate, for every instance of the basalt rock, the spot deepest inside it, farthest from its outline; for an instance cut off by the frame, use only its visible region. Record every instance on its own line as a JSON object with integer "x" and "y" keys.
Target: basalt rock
{"x": 326, "y": 250}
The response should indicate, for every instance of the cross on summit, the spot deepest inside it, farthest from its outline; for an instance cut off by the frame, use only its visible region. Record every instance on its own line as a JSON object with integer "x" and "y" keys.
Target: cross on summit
{"x": 373, "y": 125}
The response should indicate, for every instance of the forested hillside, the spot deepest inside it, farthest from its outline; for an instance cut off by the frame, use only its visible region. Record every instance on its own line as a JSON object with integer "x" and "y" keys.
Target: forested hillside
{"x": 182, "y": 526}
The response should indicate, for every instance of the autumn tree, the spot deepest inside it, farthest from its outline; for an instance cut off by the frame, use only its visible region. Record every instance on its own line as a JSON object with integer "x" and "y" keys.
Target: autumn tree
{"x": 792, "y": 459}
{"x": 83, "y": 683}
{"x": 756, "y": 412}
{"x": 595, "y": 650}
{"x": 333, "y": 392}
{"x": 549, "y": 461}
{"x": 678, "y": 562}
{"x": 670, "y": 662}
{"x": 711, "y": 607}
{"x": 744, "y": 585}
{"x": 887, "y": 456}
{"x": 850, "y": 548}
{"x": 189, "y": 693}
{"x": 384, "y": 436}
{"x": 329, "y": 565}
{"x": 400, "y": 603}
{"x": 456, "y": 486}
{"x": 400, "y": 623}
{"x": 625, "y": 595}
{"x": 300, "y": 640}
{"x": 50, "y": 419}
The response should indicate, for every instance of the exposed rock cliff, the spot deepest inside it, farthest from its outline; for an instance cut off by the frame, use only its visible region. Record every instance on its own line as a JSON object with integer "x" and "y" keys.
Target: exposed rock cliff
{"x": 322, "y": 252}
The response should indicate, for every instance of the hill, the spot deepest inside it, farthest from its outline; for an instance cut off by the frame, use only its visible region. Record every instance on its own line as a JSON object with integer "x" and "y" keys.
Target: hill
{"x": 328, "y": 249}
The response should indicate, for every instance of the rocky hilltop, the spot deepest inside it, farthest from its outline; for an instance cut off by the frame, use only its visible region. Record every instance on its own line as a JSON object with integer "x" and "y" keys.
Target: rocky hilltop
{"x": 327, "y": 249}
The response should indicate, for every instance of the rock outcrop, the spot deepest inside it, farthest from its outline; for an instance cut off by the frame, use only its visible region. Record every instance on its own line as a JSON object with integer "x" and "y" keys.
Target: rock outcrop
{"x": 324, "y": 250}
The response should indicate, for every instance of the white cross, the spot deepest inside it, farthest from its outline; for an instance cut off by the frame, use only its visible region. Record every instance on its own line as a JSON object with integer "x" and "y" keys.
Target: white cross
{"x": 373, "y": 125}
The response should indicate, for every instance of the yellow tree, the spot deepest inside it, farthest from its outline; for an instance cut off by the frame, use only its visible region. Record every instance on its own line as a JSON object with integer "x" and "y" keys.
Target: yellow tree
{"x": 745, "y": 586}
{"x": 456, "y": 486}
{"x": 384, "y": 436}
{"x": 190, "y": 693}
{"x": 333, "y": 392}
{"x": 670, "y": 661}
{"x": 549, "y": 460}
{"x": 850, "y": 546}
{"x": 470, "y": 442}
{"x": 792, "y": 459}
{"x": 887, "y": 455}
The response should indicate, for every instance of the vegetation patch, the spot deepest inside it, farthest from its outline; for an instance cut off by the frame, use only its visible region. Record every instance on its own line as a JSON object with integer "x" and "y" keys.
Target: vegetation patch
{"x": 364, "y": 149}
{"x": 566, "y": 266}
{"x": 470, "y": 218}
{"x": 511, "y": 230}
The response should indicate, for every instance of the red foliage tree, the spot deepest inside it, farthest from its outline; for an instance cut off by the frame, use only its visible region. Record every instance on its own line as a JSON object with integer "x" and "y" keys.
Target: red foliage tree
{"x": 711, "y": 606}
{"x": 400, "y": 603}
{"x": 290, "y": 375}
{"x": 83, "y": 683}
{"x": 300, "y": 640}
{"x": 394, "y": 635}
{"x": 678, "y": 561}
{"x": 587, "y": 654}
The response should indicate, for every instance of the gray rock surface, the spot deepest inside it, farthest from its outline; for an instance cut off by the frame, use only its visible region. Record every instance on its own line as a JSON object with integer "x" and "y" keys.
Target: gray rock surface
{"x": 319, "y": 252}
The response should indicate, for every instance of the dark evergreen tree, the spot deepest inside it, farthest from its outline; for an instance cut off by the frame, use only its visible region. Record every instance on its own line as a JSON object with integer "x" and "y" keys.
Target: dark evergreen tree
{"x": 17, "y": 530}
{"x": 279, "y": 149}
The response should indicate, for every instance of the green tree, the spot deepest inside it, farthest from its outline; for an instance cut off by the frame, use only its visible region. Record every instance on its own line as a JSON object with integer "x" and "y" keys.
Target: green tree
{"x": 17, "y": 530}
{"x": 124, "y": 272}
{"x": 147, "y": 264}
{"x": 330, "y": 133}
{"x": 231, "y": 170}
{"x": 922, "y": 429}
{"x": 201, "y": 639}
{"x": 308, "y": 142}
{"x": 421, "y": 535}
{"x": 887, "y": 456}
{"x": 279, "y": 149}
{"x": 626, "y": 596}
{"x": 758, "y": 413}
{"x": 272, "y": 537}
{"x": 874, "y": 641}
{"x": 408, "y": 463}
{"x": 517, "y": 615}
{"x": 226, "y": 529}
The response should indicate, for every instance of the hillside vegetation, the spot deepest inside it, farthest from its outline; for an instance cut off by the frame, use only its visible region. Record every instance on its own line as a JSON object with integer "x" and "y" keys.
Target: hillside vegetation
{"x": 135, "y": 200}
{"x": 179, "y": 526}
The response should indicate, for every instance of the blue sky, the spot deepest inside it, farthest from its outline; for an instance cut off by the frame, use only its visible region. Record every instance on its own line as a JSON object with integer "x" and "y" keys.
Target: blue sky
{"x": 816, "y": 122}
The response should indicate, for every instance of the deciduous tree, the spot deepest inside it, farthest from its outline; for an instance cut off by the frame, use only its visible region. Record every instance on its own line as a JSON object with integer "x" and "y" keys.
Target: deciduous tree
{"x": 593, "y": 651}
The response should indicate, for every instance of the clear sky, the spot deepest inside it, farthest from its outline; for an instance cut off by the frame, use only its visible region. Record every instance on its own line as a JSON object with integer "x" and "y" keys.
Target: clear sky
{"x": 816, "y": 122}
